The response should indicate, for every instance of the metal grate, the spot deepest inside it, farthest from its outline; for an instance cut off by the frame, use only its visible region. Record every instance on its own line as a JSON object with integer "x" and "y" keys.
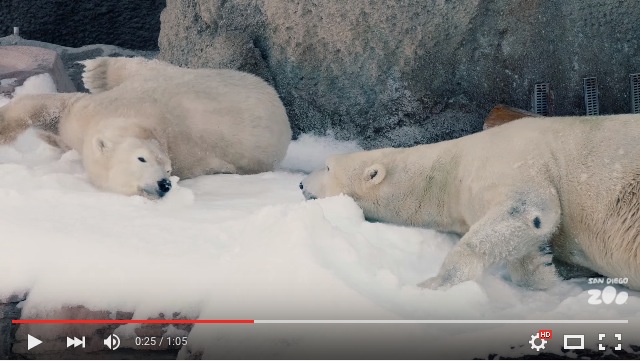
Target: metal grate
{"x": 541, "y": 98}
{"x": 635, "y": 92}
{"x": 591, "y": 96}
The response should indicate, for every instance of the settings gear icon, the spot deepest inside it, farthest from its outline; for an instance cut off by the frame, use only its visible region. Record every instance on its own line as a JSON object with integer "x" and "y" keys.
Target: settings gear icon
{"x": 535, "y": 346}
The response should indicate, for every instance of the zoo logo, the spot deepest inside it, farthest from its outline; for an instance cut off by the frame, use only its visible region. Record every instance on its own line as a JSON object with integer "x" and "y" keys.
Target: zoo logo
{"x": 607, "y": 296}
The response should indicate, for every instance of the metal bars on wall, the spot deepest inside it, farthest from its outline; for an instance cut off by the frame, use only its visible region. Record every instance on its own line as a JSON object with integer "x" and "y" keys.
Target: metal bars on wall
{"x": 591, "y": 96}
{"x": 634, "y": 80}
{"x": 541, "y": 99}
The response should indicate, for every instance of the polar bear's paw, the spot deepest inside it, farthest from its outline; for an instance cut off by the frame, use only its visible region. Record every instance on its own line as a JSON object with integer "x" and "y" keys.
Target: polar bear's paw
{"x": 435, "y": 283}
{"x": 105, "y": 73}
{"x": 451, "y": 275}
{"x": 535, "y": 270}
{"x": 53, "y": 140}
{"x": 460, "y": 265}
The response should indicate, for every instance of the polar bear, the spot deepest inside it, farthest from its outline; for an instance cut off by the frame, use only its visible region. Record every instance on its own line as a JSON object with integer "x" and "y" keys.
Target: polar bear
{"x": 146, "y": 119}
{"x": 567, "y": 185}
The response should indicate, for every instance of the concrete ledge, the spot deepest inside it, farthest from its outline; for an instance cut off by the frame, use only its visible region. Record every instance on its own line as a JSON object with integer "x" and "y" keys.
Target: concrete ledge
{"x": 20, "y": 62}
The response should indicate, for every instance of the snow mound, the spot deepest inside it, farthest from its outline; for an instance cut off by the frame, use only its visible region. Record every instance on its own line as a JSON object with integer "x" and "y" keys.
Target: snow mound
{"x": 37, "y": 84}
{"x": 309, "y": 152}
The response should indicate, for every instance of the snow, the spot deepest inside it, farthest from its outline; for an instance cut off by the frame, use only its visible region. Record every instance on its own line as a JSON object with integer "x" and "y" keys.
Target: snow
{"x": 7, "y": 81}
{"x": 246, "y": 247}
{"x": 309, "y": 152}
{"x": 37, "y": 84}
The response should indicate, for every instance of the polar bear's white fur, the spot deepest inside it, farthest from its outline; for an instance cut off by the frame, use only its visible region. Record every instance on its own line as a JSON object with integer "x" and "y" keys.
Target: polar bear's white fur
{"x": 569, "y": 182}
{"x": 146, "y": 119}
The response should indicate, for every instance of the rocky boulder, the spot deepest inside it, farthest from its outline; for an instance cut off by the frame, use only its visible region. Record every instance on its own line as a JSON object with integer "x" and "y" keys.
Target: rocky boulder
{"x": 411, "y": 71}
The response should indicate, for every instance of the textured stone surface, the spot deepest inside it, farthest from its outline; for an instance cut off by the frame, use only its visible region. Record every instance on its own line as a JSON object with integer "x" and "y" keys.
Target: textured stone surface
{"x": 8, "y": 311}
{"x": 411, "y": 71}
{"x": 129, "y": 24}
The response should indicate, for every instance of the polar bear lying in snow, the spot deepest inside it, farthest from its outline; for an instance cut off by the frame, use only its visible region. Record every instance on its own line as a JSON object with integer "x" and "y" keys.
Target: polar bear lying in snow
{"x": 567, "y": 185}
{"x": 146, "y": 119}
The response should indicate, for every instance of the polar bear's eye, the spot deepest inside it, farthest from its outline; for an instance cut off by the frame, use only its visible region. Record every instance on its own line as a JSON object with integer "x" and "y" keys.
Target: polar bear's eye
{"x": 327, "y": 168}
{"x": 142, "y": 159}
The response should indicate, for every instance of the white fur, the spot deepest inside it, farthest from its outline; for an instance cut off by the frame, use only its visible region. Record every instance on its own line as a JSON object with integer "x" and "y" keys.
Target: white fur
{"x": 191, "y": 121}
{"x": 571, "y": 182}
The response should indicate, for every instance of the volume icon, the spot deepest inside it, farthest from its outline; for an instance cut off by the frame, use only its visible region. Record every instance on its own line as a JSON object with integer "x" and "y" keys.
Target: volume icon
{"x": 112, "y": 342}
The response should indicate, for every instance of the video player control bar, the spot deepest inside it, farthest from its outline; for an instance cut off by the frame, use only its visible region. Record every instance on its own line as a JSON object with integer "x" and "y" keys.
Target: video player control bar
{"x": 182, "y": 321}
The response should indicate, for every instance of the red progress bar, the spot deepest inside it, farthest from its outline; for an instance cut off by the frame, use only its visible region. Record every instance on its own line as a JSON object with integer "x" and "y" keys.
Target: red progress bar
{"x": 42, "y": 322}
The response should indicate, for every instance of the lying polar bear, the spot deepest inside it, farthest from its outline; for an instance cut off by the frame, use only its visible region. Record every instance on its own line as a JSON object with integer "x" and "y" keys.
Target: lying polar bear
{"x": 572, "y": 183}
{"x": 146, "y": 119}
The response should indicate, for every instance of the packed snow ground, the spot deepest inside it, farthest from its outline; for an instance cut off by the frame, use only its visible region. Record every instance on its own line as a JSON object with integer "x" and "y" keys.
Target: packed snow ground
{"x": 246, "y": 247}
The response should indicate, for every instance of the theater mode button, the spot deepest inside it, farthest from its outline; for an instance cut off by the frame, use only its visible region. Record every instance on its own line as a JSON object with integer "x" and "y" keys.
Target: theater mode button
{"x": 32, "y": 342}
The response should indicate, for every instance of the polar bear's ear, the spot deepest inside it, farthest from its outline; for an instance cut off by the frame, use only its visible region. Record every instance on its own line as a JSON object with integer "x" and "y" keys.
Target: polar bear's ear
{"x": 102, "y": 145}
{"x": 374, "y": 174}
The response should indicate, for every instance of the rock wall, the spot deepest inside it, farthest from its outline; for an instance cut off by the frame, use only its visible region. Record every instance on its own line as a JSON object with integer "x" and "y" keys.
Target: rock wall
{"x": 129, "y": 24}
{"x": 411, "y": 71}
{"x": 8, "y": 311}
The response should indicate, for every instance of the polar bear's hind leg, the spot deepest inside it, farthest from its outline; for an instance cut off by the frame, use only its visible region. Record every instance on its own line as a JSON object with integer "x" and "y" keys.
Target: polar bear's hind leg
{"x": 510, "y": 233}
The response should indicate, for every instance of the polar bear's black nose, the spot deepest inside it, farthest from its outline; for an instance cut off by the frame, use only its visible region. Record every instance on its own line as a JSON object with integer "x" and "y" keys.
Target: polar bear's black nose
{"x": 164, "y": 185}
{"x": 301, "y": 186}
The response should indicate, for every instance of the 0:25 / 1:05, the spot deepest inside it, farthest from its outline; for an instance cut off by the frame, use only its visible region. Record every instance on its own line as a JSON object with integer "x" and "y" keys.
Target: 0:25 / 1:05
{"x": 158, "y": 341}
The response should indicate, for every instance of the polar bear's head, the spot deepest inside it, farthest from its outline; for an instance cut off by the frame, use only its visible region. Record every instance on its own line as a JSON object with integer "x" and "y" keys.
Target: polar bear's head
{"x": 364, "y": 176}
{"x": 129, "y": 165}
{"x": 344, "y": 174}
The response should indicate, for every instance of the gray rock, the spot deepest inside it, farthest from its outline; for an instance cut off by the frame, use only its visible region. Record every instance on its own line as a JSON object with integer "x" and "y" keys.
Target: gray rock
{"x": 411, "y": 71}
{"x": 71, "y": 56}
{"x": 21, "y": 62}
{"x": 9, "y": 310}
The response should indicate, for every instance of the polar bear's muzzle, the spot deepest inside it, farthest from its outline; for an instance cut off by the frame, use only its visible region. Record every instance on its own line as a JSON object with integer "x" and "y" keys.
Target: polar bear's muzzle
{"x": 161, "y": 188}
{"x": 164, "y": 186}
{"x": 307, "y": 195}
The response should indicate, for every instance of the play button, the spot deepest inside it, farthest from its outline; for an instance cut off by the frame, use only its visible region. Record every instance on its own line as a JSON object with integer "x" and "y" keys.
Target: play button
{"x": 32, "y": 342}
